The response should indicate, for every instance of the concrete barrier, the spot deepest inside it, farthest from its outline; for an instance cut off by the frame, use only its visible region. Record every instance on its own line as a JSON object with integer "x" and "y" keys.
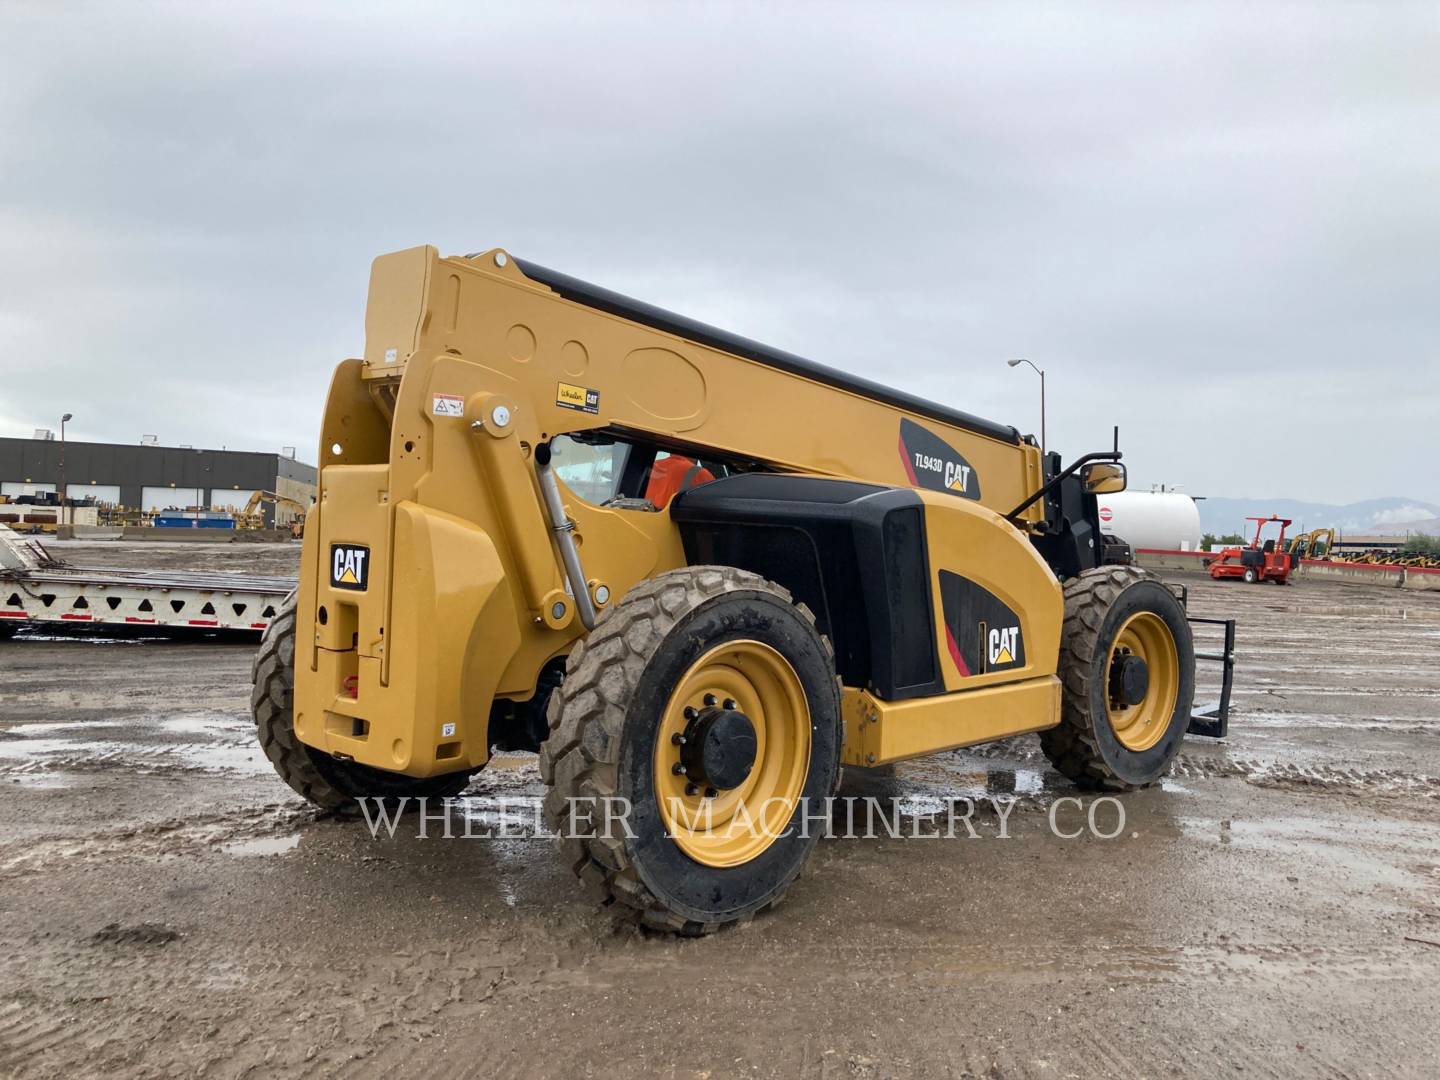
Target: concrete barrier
{"x": 1344, "y": 573}
{"x": 88, "y": 532}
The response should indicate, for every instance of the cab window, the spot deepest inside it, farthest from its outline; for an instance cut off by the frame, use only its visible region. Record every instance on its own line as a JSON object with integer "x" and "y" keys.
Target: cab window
{"x": 614, "y": 472}
{"x": 593, "y": 471}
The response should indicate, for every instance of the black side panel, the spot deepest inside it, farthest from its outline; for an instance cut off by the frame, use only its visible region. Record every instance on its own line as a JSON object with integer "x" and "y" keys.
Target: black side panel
{"x": 582, "y": 292}
{"x": 853, "y": 553}
{"x": 984, "y": 634}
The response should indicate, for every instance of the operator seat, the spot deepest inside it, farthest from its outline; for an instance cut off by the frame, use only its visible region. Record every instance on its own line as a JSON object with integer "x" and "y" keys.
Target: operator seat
{"x": 673, "y": 474}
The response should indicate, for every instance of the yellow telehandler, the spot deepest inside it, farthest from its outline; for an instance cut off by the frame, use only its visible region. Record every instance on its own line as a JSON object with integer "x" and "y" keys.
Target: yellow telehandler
{"x": 697, "y": 574}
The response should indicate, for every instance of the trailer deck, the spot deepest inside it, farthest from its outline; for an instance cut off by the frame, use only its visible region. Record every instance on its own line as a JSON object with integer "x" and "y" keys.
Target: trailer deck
{"x": 37, "y": 588}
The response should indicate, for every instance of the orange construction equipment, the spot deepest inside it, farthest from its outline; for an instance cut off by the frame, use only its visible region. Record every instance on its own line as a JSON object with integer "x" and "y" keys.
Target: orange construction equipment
{"x": 1267, "y": 561}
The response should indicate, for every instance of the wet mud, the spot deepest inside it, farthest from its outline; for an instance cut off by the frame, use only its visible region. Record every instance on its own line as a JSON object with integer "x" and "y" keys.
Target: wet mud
{"x": 1272, "y": 908}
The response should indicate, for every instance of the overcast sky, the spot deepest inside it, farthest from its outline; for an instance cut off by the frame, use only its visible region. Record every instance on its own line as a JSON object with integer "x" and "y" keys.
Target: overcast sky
{"x": 1218, "y": 227}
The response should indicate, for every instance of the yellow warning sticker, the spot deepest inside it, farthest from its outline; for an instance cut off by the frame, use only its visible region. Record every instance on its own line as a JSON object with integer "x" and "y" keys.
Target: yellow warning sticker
{"x": 580, "y": 398}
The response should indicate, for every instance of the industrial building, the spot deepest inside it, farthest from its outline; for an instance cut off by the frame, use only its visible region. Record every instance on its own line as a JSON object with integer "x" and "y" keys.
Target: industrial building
{"x": 151, "y": 477}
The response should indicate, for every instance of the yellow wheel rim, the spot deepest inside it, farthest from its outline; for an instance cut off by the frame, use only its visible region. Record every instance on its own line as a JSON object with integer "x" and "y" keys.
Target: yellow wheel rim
{"x": 731, "y": 827}
{"x": 1141, "y": 726}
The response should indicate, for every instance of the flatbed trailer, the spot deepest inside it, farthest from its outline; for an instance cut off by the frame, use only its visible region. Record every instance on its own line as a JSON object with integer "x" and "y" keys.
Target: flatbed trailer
{"x": 38, "y": 589}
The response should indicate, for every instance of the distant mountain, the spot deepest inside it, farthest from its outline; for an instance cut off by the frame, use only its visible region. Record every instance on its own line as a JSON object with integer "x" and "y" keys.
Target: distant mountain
{"x": 1373, "y": 516}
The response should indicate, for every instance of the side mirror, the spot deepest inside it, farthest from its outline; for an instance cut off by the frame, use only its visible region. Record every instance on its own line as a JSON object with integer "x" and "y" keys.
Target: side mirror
{"x": 1103, "y": 478}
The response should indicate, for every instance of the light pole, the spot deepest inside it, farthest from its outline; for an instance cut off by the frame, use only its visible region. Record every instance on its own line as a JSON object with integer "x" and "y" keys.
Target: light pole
{"x": 1022, "y": 360}
{"x": 64, "y": 498}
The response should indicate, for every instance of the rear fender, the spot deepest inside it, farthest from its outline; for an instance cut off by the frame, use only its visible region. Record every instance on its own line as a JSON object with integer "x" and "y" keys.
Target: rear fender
{"x": 451, "y": 632}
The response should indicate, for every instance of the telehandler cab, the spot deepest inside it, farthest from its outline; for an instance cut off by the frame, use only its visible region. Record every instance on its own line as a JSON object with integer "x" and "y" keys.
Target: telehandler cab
{"x": 697, "y": 574}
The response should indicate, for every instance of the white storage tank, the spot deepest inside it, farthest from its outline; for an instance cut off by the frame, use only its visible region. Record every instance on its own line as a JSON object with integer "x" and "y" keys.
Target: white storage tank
{"x": 1165, "y": 520}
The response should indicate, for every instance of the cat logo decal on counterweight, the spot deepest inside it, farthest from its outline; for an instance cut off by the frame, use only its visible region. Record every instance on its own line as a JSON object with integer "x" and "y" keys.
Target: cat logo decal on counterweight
{"x": 932, "y": 463}
{"x": 1002, "y": 644}
{"x": 349, "y": 566}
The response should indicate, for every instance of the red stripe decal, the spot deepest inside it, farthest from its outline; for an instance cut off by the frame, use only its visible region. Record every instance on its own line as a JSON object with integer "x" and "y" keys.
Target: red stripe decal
{"x": 910, "y": 472}
{"x": 12, "y": 614}
{"x": 132, "y": 618}
{"x": 76, "y": 618}
{"x": 960, "y": 664}
{"x": 258, "y": 625}
{"x": 204, "y": 622}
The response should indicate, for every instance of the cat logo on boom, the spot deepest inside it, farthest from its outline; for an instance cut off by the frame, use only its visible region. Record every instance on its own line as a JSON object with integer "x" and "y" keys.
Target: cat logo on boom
{"x": 349, "y": 566}
{"x": 930, "y": 462}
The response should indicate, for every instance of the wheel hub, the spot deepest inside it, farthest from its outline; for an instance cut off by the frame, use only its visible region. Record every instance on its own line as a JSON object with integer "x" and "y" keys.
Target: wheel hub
{"x": 1129, "y": 680}
{"x": 718, "y": 748}
{"x": 739, "y": 719}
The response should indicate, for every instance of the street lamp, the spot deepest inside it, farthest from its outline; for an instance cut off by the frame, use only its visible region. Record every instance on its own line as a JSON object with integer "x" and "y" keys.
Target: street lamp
{"x": 64, "y": 517}
{"x": 1022, "y": 360}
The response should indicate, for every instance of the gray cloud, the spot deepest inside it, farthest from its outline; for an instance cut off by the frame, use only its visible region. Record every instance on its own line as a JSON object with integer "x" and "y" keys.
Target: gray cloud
{"x": 1215, "y": 226}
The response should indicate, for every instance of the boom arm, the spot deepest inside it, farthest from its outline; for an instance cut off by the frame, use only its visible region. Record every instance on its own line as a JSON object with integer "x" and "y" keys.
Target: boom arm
{"x": 577, "y": 358}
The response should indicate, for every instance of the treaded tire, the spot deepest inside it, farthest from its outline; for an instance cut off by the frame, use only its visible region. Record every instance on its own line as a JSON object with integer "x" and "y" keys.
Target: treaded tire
{"x": 602, "y": 722}
{"x": 323, "y": 780}
{"x": 1084, "y": 747}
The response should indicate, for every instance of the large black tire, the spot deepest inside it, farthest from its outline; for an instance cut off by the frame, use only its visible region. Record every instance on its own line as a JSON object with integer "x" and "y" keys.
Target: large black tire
{"x": 324, "y": 780}
{"x": 1084, "y": 747}
{"x": 604, "y": 722}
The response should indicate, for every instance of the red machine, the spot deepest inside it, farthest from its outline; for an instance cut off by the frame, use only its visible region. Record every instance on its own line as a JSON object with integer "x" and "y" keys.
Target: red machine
{"x": 1257, "y": 562}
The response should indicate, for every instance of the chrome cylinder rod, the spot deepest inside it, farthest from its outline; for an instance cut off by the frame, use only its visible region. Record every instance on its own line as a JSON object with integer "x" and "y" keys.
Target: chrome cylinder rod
{"x": 563, "y": 529}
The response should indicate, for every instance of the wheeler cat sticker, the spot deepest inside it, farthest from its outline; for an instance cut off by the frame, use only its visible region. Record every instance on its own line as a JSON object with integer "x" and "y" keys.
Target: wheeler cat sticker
{"x": 579, "y": 398}
{"x": 982, "y": 633}
{"x": 932, "y": 463}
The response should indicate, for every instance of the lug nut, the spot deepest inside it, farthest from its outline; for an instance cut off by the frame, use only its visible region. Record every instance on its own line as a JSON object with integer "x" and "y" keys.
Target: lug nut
{"x": 690, "y": 713}
{"x": 730, "y": 703}
{"x": 691, "y": 789}
{"x": 677, "y": 739}
{"x": 710, "y": 699}
{"x": 678, "y": 769}
{"x": 710, "y": 793}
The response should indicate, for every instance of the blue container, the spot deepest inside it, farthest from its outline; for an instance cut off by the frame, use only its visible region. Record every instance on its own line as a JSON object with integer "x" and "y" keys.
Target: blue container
{"x": 194, "y": 519}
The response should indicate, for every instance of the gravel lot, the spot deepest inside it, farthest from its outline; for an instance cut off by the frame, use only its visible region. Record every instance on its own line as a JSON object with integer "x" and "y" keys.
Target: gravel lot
{"x": 1273, "y": 908}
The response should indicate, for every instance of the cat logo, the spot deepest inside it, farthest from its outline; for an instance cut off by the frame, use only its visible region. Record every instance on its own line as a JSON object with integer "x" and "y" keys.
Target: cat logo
{"x": 930, "y": 462}
{"x": 1003, "y": 645}
{"x": 349, "y": 566}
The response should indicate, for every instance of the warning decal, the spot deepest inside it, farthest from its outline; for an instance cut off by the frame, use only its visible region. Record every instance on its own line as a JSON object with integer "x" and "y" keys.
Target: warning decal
{"x": 580, "y": 398}
{"x": 448, "y": 405}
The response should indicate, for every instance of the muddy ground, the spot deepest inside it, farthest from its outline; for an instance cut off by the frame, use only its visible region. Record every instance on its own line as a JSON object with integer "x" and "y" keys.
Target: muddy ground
{"x": 167, "y": 907}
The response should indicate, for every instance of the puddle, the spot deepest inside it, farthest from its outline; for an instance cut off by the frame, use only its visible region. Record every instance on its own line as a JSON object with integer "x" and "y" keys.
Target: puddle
{"x": 43, "y": 779}
{"x": 244, "y": 757}
{"x": 202, "y": 724}
{"x": 25, "y": 729}
{"x": 509, "y": 816}
{"x": 263, "y": 845}
{"x": 78, "y": 639}
{"x": 205, "y": 742}
{"x": 30, "y": 747}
